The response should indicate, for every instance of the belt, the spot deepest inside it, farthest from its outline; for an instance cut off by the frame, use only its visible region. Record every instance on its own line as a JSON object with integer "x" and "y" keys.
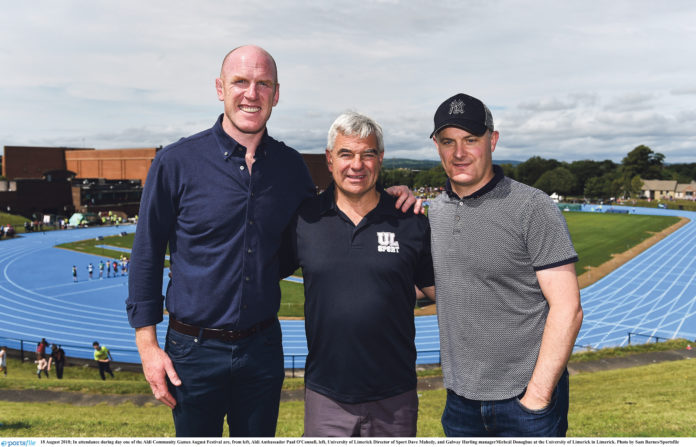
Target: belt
{"x": 219, "y": 334}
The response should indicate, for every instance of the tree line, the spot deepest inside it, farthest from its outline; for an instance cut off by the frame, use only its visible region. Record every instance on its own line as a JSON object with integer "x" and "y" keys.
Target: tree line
{"x": 583, "y": 178}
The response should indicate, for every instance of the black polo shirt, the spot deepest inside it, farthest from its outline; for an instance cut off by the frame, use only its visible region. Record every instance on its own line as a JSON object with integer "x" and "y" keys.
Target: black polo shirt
{"x": 359, "y": 296}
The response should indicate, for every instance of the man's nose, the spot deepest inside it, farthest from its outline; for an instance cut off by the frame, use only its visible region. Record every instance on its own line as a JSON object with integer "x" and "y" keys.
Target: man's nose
{"x": 357, "y": 162}
{"x": 459, "y": 151}
{"x": 251, "y": 91}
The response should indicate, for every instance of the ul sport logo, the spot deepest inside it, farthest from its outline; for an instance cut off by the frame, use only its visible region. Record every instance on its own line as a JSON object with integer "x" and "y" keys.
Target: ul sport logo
{"x": 456, "y": 106}
{"x": 386, "y": 243}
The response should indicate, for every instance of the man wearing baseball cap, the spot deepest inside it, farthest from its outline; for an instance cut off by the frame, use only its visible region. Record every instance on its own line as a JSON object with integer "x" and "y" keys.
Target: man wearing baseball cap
{"x": 508, "y": 300}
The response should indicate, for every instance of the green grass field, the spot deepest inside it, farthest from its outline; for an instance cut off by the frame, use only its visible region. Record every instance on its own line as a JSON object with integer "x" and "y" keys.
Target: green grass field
{"x": 648, "y": 401}
{"x": 91, "y": 246}
{"x": 597, "y": 236}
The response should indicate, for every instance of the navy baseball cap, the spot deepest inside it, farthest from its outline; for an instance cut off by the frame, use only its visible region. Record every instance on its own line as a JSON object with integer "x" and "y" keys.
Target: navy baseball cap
{"x": 465, "y": 112}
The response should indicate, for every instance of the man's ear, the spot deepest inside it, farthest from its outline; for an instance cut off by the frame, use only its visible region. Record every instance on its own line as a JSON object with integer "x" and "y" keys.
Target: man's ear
{"x": 276, "y": 94}
{"x": 219, "y": 88}
{"x": 494, "y": 139}
{"x": 328, "y": 160}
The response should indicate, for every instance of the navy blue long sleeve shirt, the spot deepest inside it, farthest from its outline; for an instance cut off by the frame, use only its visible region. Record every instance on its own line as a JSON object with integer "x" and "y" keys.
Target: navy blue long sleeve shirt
{"x": 223, "y": 227}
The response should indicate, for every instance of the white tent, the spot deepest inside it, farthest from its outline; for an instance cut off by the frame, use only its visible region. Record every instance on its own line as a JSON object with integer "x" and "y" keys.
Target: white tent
{"x": 75, "y": 219}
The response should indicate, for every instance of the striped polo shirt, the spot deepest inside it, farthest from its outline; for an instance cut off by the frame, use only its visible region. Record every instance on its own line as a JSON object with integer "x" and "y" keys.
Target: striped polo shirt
{"x": 486, "y": 250}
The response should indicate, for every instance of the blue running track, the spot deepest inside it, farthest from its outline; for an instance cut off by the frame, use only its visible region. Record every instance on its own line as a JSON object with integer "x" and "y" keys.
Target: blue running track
{"x": 654, "y": 294}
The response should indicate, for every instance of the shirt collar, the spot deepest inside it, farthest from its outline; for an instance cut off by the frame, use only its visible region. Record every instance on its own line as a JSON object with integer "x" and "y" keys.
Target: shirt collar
{"x": 386, "y": 205}
{"x": 229, "y": 147}
{"x": 498, "y": 175}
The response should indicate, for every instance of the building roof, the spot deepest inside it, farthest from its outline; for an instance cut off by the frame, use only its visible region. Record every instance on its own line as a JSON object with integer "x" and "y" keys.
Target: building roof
{"x": 683, "y": 187}
{"x": 659, "y": 185}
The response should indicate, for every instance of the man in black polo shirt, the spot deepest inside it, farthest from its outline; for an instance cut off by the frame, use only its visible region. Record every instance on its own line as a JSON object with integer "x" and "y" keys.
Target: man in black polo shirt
{"x": 360, "y": 258}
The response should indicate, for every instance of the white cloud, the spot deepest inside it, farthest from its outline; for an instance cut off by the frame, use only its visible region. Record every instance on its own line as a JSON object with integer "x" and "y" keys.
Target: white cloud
{"x": 564, "y": 80}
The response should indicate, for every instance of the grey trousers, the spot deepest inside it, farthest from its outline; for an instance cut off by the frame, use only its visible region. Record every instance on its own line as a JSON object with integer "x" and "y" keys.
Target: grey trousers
{"x": 391, "y": 417}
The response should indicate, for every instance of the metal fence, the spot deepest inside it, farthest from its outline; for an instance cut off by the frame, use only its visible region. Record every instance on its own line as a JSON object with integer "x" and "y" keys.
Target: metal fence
{"x": 635, "y": 334}
{"x": 28, "y": 347}
{"x": 293, "y": 362}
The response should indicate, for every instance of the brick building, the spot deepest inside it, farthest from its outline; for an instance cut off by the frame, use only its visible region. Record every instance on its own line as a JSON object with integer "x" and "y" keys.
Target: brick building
{"x": 51, "y": 179}
{"x": 61, "y": 180}
{"x": 111, "y": 164}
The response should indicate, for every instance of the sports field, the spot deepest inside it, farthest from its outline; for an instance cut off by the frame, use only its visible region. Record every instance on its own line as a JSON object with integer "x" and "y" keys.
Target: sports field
{"x": 653, "y": 295}
{"x": 597, "y": 236}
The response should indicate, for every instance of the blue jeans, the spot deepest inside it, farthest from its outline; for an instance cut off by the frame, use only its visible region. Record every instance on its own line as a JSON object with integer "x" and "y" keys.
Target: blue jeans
{"x": 468, "y": 418}
{"x": 241, "y": 380}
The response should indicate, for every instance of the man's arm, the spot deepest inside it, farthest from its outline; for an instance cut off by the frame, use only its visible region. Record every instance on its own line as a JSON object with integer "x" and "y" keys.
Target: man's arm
{"x": 560, "y": 288}
{"x": 406, "y": 199}
{"x": 156, "y": 364}
{"x": 425, "y": 292}
{"x": 287, "y": 255}
{"x": 157, "y": 216}
{"x": 429, "y": 292}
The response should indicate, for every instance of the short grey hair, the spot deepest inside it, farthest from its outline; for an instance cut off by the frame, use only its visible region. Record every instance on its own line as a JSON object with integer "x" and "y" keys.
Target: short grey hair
{"x": 354, "y": 124}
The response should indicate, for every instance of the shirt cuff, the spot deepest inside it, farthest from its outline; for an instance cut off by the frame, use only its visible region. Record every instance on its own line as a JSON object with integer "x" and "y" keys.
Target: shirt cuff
{"x": 557, "y": 264}
{"x": 144, "y": 313}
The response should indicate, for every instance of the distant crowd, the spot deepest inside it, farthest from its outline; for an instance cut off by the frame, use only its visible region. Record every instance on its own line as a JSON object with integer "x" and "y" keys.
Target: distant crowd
{"x": 108, "y": 265}
{"x": 7, "y": 231}
{"x": 62, "y": 223}
{"x": 56, "y": 360}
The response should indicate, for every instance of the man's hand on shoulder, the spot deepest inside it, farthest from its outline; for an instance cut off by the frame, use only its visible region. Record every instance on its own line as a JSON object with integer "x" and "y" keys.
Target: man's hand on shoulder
{"x": 405, "y": 199}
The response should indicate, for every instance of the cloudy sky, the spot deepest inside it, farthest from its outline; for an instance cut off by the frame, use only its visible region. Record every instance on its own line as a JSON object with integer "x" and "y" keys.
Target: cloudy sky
{"x": 566, "y": 80}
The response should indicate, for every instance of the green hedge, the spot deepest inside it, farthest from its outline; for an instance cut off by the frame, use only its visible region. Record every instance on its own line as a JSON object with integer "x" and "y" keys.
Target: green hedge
{"x": 686, "y": 205}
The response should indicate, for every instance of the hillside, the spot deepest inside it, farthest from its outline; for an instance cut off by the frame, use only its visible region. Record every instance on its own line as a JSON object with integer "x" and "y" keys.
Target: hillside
{"x": 424, "y": 165}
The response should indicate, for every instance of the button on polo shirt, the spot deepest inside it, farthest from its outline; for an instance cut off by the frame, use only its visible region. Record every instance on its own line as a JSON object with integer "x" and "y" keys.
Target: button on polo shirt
{"x": 359, "y": 297}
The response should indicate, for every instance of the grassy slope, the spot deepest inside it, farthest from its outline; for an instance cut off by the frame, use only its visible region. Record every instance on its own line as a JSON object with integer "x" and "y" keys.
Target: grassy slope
{"x": 13, "y": 219}
{"x": 81, "y": 378}
{"x": 646, "y": 401}
{"x": 17, "y": 222}
{"x": 654, "y": 400}
{"x": 624, "y": 351}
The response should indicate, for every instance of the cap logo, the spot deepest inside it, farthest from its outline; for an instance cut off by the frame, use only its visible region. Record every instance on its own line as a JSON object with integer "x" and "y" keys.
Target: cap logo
{"x": 456, "y": 106}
